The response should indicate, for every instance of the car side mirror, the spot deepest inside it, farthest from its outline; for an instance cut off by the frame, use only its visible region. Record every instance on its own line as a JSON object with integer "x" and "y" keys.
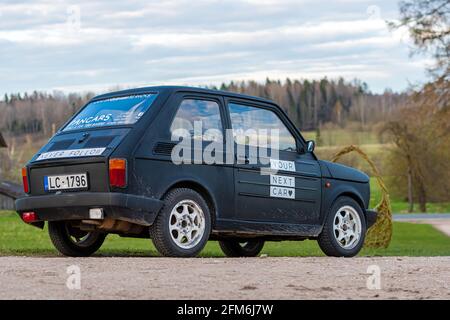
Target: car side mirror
{"x": 310, "y": 146}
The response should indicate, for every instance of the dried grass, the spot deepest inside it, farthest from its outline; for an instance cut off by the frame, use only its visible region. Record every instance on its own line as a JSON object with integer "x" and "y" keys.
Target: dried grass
{"x": 380, "y": 234}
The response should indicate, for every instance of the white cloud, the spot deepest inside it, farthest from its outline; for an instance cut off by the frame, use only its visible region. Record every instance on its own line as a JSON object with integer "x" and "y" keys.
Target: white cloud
{"x": 152, "y": 42}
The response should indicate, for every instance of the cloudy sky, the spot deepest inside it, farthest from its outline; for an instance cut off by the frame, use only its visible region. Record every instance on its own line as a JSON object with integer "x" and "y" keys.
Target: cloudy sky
{"x": 97, "y": 45}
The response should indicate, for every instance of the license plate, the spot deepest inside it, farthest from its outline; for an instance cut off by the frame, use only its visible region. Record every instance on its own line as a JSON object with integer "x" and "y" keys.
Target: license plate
{"x": 66, "y": 182}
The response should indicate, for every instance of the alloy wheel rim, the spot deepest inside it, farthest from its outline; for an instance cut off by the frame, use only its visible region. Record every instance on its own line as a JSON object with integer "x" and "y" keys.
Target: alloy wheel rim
{"x": 187, "y": 224}
{"x": 347, "y": 227}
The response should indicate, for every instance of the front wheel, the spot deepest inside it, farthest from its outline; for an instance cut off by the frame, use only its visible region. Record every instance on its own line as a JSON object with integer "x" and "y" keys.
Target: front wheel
{"x": 73, "y": 242}
{"x": 344, "y": 230}
{"x": 245, "y": 248}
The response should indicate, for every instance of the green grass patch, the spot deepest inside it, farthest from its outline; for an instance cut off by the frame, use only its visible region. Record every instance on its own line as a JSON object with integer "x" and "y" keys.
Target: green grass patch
{"x": 19, "y": 239}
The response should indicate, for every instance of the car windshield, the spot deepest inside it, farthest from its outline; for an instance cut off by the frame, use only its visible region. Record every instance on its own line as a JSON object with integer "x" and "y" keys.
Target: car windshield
{"x": 112, "y": 112}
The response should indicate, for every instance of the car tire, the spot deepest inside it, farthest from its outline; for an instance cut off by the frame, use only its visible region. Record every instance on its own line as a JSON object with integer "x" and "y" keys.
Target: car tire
{"x": 73, "y": 242}
{"x": 183, "y": 226}
{"x": 244, "y": 248}
{"x": 344, "y": 230}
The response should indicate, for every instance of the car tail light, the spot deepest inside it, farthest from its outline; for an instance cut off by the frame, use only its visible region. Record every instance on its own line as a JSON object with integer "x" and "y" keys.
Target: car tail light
{"x": 29, "y": 217}
{"x": 118, "y": 173}
{"x": 26, "y": 187}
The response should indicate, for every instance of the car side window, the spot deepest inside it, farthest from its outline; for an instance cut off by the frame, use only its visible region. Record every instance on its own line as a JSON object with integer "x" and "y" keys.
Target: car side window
{"x": 198, "y": 119}
{"x": 247, "y": 121}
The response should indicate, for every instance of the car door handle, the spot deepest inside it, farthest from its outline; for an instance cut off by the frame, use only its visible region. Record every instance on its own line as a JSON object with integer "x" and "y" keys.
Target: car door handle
{"x": 242, "y": 159}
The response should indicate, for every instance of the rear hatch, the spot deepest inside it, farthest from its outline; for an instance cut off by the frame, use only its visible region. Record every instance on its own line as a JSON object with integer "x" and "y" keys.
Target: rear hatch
{"x": 76, "y": 159}
{"x": 75, "y": 154}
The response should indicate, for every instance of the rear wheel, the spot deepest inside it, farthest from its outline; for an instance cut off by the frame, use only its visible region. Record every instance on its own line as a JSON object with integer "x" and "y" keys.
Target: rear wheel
{"x": 344, "y": 230}
{"x": 244, "y": 248}
{"x": 73, "y": 242}
{"x": 183, "y": 226}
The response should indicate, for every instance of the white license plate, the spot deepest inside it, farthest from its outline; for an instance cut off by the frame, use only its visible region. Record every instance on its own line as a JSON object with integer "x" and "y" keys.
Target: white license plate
{"x": 66, "y": 182}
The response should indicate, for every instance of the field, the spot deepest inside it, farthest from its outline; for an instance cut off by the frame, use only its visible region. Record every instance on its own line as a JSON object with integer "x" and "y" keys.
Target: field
{"x": 342, "y": 137}
{"x": 333, "y": 140}
{"x": 17, "y": 238}
{"x": 401, "y": 206}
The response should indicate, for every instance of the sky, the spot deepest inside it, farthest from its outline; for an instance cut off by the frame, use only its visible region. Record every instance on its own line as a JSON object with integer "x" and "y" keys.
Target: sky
{"x": 75, "y": 46}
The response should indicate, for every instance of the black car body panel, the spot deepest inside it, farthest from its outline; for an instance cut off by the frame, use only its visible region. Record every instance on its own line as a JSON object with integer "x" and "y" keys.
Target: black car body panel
{"x": 72, "y": 206}
{"x": 341, "y": 172}
{"x": 238, "y": 194}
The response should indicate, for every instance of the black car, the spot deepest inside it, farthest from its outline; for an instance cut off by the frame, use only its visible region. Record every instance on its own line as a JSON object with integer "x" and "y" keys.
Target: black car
{"x": 186, "y": 165}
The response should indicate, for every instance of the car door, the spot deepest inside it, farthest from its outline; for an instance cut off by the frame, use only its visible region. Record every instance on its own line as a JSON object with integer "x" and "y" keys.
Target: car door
{"x": 284, "y": 185}
{"x": 194, "y": 118}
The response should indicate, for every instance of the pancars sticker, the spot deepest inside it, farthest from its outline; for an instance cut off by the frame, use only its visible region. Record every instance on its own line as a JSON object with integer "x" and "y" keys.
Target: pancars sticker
{"x": 81, "y": 123}
{"x": 74, "y": 153}
{"x": 282, "y": 165}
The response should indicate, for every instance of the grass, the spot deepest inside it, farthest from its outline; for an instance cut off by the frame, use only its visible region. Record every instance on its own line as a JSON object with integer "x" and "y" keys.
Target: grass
{"x": 19, "y": 239}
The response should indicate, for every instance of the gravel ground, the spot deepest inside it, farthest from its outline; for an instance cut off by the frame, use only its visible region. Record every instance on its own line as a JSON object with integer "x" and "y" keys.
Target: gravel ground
{"x": 221, "y": 278}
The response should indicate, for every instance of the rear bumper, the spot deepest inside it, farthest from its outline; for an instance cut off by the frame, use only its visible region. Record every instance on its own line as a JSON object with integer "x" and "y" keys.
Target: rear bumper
{"x": 75, "y": 206}
{"x": 371, "y": 217}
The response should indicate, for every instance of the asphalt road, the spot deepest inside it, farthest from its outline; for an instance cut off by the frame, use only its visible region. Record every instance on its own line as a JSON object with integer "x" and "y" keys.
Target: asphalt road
{"x": 224, "y": 278}
{"x": 421, "y": 216}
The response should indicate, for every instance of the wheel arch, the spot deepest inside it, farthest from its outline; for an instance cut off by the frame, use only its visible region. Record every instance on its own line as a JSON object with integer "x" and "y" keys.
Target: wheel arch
{"x": 344, "y": 190}
{"x": 202, "y": 190}
{"x": 353, "y": 196}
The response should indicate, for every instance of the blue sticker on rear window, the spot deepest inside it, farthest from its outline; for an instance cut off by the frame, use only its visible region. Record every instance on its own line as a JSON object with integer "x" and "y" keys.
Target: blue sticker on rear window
{"x": 111, "y": 112}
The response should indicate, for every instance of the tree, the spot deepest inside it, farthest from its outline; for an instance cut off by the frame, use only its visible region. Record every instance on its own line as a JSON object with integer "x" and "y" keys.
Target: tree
{"x": 337, "y": 110}
{"x": 420, "y": 134}
{"x": 3, "y": 159}
{"x": 420, "y": 129}
{"x": 428, "y": 24}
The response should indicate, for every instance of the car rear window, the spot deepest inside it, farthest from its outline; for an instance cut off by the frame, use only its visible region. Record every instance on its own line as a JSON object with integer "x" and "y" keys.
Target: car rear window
{"x": 112, "y": 112}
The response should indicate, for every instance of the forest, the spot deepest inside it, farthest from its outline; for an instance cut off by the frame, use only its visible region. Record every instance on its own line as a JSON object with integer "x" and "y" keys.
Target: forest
{"x": 309, "y": 104}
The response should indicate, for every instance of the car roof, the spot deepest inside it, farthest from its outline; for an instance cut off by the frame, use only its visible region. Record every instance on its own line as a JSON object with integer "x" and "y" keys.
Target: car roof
{"x": 174, "y": 89}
